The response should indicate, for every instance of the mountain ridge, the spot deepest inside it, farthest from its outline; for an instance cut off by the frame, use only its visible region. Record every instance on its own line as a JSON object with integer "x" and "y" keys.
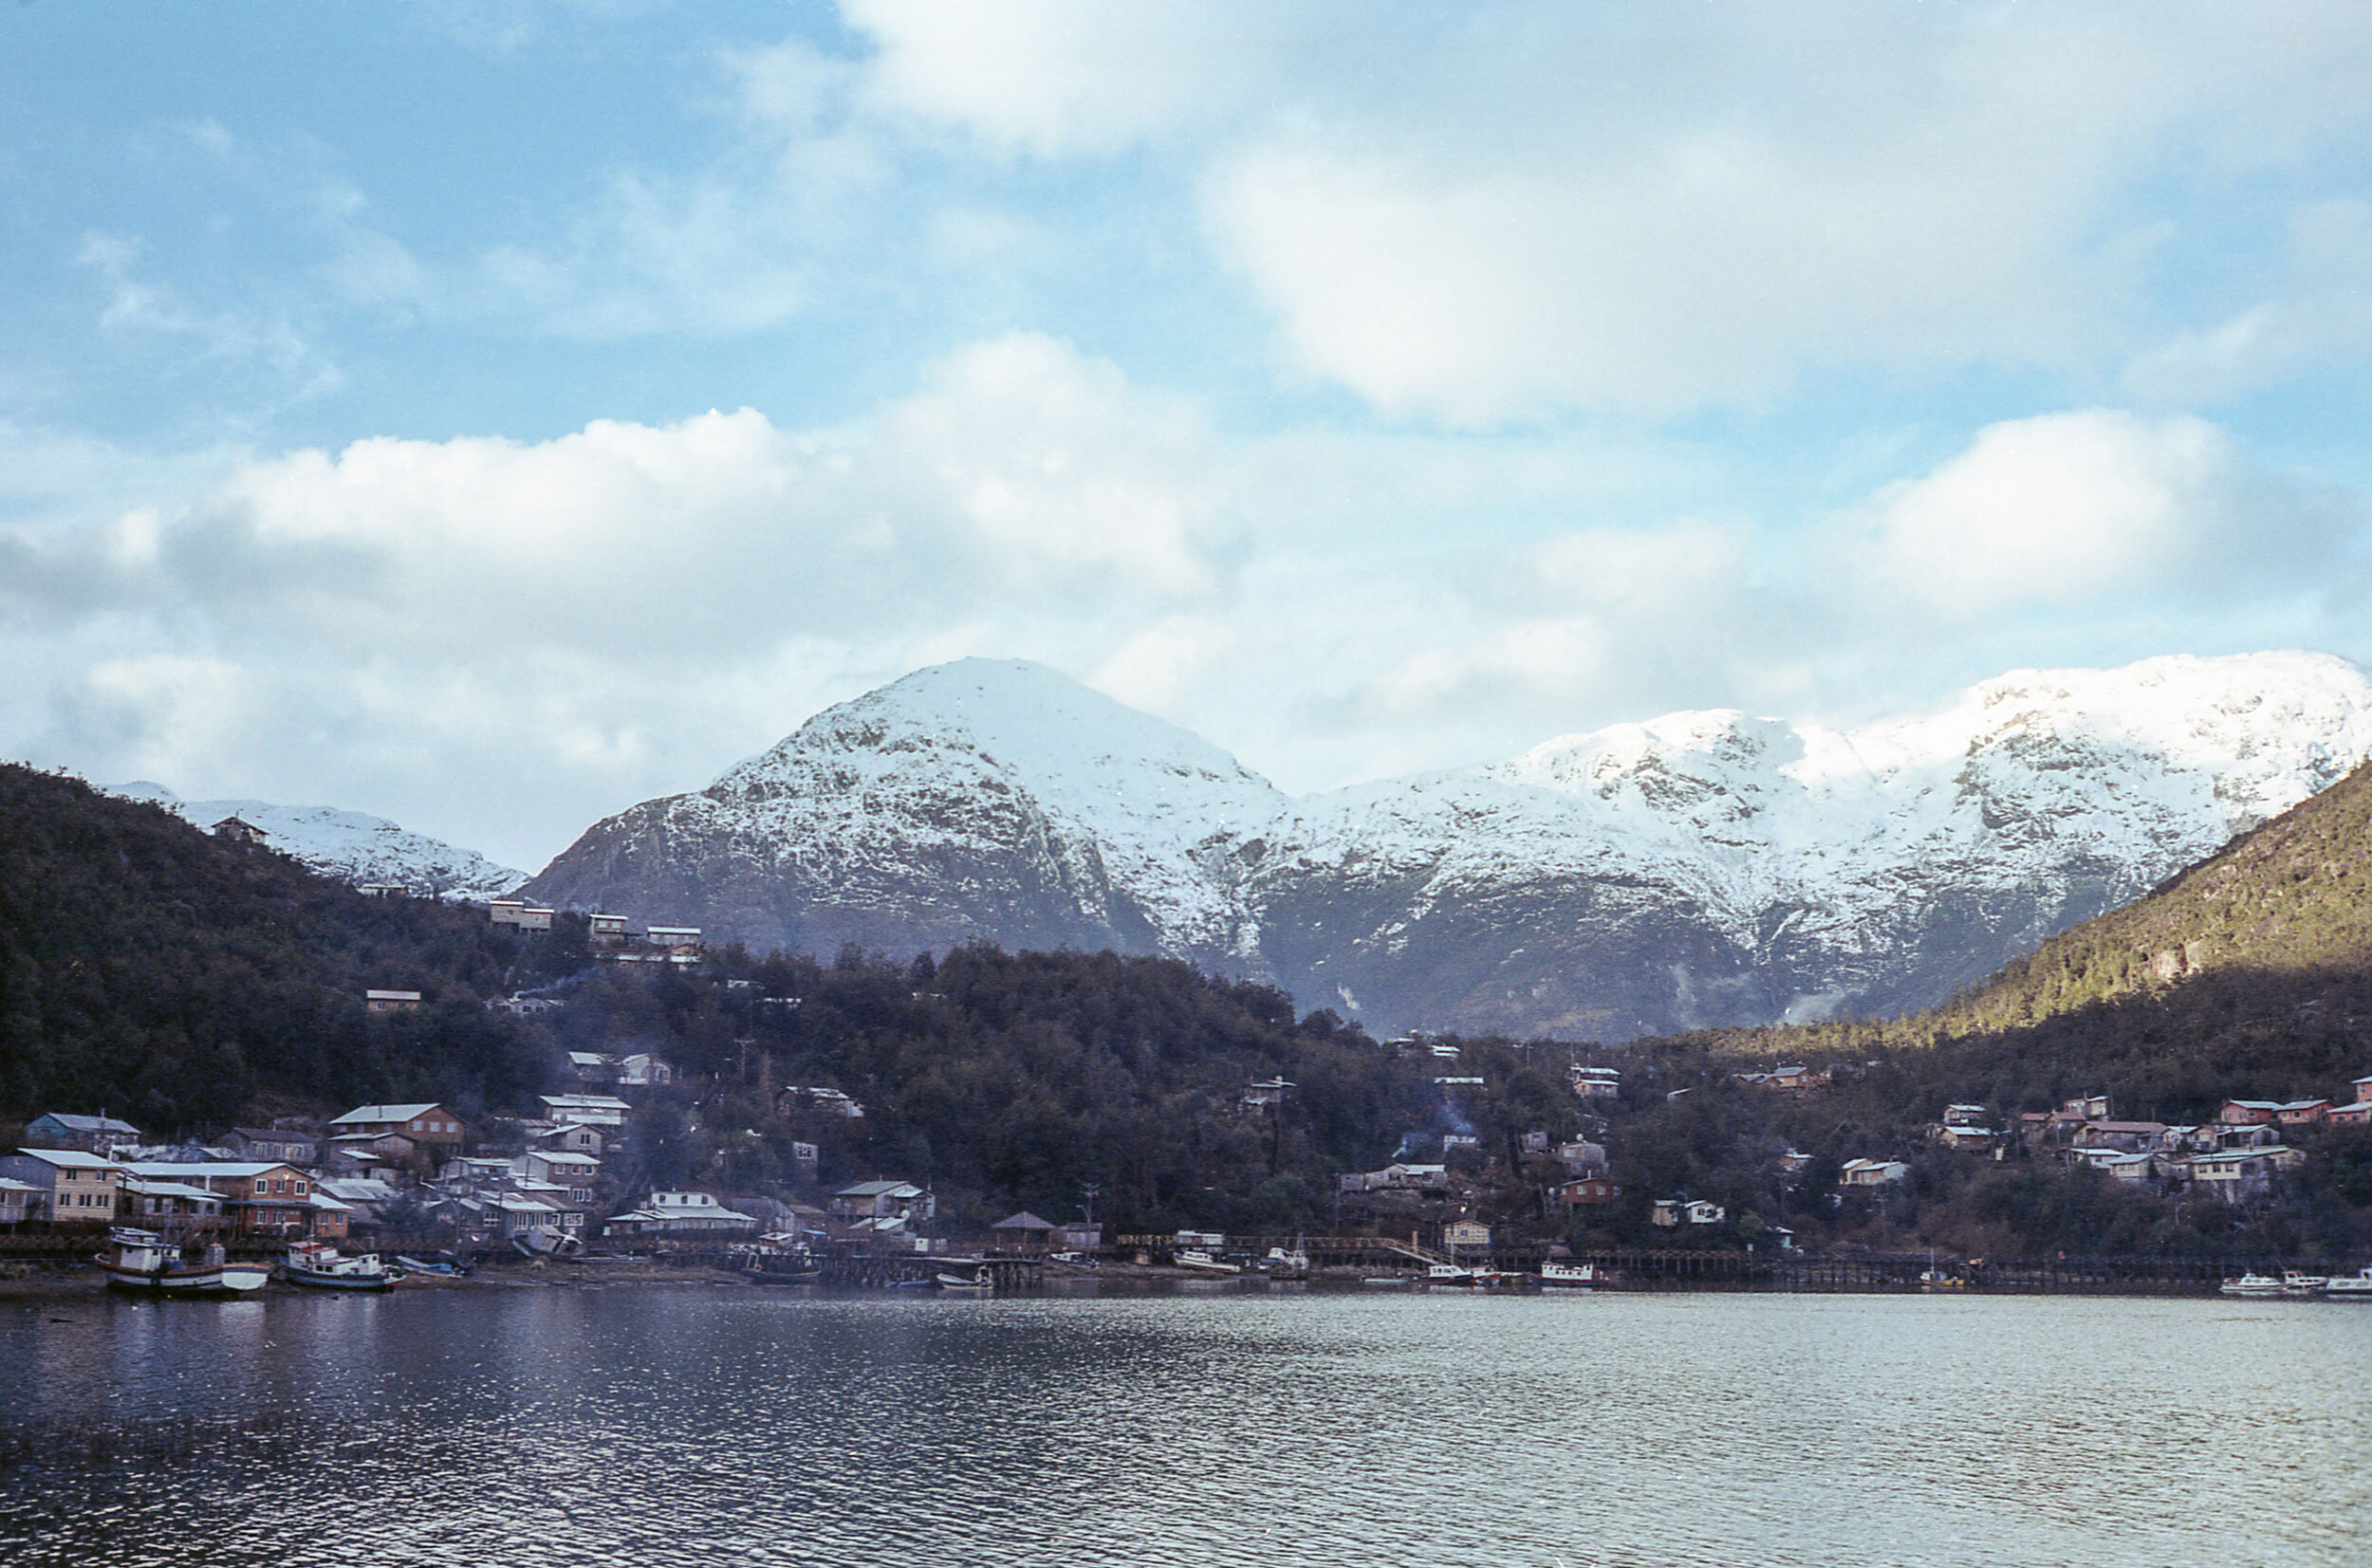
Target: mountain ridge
{"x": 351, "y": 846}
{"x": 1695, "y": 869}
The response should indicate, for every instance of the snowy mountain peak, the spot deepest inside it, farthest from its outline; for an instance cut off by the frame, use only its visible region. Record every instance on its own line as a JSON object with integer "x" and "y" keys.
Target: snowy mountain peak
{"x": 1014, "y": 714}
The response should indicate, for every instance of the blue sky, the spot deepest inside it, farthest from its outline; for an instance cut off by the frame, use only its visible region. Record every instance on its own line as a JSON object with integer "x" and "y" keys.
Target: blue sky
{"x": 490, "y": 414}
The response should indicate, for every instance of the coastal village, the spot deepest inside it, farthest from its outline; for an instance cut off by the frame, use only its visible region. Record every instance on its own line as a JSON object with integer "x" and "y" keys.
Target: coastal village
{"x": 554, "y": 1179}
{"x": 558, "y": 1177}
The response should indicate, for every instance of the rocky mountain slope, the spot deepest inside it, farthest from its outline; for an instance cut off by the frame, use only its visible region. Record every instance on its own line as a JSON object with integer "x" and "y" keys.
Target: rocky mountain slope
{"x": 348, "y": 845}
{"x": 1696, "y": 870}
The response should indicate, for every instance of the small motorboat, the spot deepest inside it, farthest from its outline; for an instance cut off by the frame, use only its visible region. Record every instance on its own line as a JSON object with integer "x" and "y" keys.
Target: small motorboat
{"x": 2298, "y": 1282}
{"x": 978, "y": 1283}
{"x": 144, "y": 1262}
{"x": 445, "y": 1264}
{"x": 1449, "y": 1274}
{"x": 2251, "y": 1283}
{"x": 1571, "y": 1276}
{"x": 1201, "y": 1261}
{"x": 317, "y": 1265}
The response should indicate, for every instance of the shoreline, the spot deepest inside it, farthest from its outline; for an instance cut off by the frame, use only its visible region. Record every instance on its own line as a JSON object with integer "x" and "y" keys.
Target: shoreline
{"x": 55, "y": 1284}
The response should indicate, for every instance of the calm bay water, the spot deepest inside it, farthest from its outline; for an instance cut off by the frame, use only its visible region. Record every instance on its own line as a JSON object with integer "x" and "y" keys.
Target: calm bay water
{"x": 662, "y": 1426}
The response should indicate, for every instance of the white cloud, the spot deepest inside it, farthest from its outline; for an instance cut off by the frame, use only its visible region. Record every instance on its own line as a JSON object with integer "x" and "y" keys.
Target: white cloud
{"x": 2068, "y": 509}
{"x": 1516, "y": 210}
{"x": 1063, "y": 77}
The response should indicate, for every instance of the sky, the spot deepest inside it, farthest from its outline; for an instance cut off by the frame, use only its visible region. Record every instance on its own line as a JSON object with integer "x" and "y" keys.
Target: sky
{"x": 488, "y": 413}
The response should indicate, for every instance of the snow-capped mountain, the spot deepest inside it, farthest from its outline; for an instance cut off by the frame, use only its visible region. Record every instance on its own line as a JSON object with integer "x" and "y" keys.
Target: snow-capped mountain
{"x": 969, "y": 799}
{"x": 349, "y": 845}
{"x": 1701, "y": 868}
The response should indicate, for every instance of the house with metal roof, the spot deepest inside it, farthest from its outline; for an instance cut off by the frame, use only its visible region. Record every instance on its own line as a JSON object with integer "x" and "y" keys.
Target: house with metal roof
{"x": 429, "y": 1125}
{"x": 599, "y": 1110}
{"x": 91, "y": 1135}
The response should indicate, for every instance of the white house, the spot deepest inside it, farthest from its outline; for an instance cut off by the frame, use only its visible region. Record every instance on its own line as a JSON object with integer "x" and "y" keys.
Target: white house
{"x": 599, "y": 1110}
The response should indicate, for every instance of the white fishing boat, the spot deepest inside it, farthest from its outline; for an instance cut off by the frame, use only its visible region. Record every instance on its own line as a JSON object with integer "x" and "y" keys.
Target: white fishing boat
{"x": 2350, "y": 1288}
{"x": 317, "y": 1265}
{"x": 2298, "y": 1282}
{"x": 1449, "y": 1274}
{"x": 978, "y": 1283}
{"x": 2252, "y": 1284}
{"x": 1571, "y": 1276}
{"x": 1201, "y": 1262}
{"x": 144, "y": 1262}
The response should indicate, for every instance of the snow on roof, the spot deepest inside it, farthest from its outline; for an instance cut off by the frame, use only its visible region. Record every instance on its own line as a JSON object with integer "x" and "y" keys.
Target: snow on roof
{"x": 143, "y": 1188}
{"x": 69, "y": 1157}
{"x": 384, "y": 1113}
{"x": 585, "y": 1102}
{"x": 168, "y": 1170}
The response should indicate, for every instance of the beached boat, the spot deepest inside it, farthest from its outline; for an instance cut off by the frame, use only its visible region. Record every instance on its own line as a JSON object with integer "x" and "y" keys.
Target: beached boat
{"x": 2252, "y": 1284}
{"x": 2350, "y": 1288}
{"x": 544, "y": 1242}
{"x": 1282, "y": 1264}
{"x": 446, "y": 1263}
{"x": 1196, "y": 1257}
{"x": 144, "y": 1262}
{"x": 1571, "y": 1276}
{"x": 317, "y": 1265}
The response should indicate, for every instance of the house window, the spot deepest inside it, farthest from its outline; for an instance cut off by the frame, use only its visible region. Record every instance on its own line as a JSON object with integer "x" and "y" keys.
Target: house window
{"x": 300, "y": 1190}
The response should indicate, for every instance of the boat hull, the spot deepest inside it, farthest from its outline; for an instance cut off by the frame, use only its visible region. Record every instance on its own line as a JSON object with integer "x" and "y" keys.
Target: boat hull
{"x": 222, "y": 1284}
{"x": 314, "y": 1280}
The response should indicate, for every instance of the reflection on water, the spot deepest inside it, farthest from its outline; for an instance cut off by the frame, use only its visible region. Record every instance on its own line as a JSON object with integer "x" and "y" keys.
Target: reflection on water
{"x": 665, "y": 1425}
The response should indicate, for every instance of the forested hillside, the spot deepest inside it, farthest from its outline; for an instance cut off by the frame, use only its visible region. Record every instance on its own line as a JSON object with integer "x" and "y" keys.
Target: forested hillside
{"x": 1010, "y": 1080}
{"x": 183, "y": 982}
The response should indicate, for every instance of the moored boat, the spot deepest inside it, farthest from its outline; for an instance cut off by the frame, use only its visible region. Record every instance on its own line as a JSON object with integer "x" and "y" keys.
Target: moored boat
{"x": 2349, "y": 1287}
{"x": 144, "y": 1261}
{"x": 2251, "y": 1283}
{"x": 1571, "y": 1276}
{"x": 1449, "y": 1274}
{"x": 317, "y": 1265}
{"x": 978, "y": 1283}
{"x": 2298, "y": 1282}
{"x": 1196, "y": 1257}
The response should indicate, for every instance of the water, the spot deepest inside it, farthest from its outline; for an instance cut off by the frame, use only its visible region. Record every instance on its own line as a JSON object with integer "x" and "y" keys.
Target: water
{"x": 661, "y": 1426}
